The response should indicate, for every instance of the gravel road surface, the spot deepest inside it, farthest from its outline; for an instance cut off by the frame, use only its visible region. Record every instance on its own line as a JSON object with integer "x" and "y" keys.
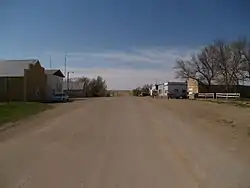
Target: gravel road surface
{"x": 123, "y": 142}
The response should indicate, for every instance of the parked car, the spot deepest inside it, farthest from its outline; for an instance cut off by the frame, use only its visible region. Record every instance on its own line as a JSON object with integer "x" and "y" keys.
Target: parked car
{"x": 143, "y": 94}
{"x": 60, "y": 97}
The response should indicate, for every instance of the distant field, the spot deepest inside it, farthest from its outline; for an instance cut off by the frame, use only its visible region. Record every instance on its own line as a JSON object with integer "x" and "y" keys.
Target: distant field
{"x": 122, "y": 92}
{"x": 14, "y": 111}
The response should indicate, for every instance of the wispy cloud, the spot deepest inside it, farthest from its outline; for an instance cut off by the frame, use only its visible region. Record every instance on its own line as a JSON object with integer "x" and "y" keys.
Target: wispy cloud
{"x": 126, "y": 69}
{"x": 156, "y": 55}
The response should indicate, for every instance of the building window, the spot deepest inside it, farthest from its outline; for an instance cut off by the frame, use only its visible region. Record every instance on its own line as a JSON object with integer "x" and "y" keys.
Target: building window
{"x": 176, "y": 90}
{"x": 160, "y": 91}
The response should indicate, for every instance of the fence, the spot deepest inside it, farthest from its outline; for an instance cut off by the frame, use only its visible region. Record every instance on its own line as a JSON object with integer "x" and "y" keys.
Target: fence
{"x": 206, "y": 95}
{"x": 219, "y": 95}
{"x": 228, "y": 95}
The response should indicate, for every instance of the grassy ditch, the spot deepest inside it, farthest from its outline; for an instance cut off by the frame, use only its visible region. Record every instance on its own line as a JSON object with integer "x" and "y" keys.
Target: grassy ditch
{"x": 14, "y": 111}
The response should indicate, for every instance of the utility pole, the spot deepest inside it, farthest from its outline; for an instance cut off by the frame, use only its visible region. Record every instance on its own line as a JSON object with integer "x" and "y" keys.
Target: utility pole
{"x": 65, "y": 65}
{"x": 50, "y": 63}
{"x": 156, "y": 85}
{"x": 65, "y": 71}
{"x": 68, "y": 79}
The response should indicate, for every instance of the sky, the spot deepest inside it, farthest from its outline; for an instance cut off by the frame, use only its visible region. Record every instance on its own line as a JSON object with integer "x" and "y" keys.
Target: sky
{"x": 128, "y": 42}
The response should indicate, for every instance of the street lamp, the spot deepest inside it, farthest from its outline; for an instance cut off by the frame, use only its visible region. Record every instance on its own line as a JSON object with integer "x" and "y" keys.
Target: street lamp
{"x": 68, "y": 78}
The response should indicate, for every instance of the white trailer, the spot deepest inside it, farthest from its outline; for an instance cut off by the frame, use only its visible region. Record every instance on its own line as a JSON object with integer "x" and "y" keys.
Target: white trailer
{"x": 173, "y": 89}
{"x": 162, "y": 90}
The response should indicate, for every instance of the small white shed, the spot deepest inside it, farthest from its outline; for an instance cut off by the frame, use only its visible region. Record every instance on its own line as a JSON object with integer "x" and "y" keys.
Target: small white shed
{"x": 54, "y": 82}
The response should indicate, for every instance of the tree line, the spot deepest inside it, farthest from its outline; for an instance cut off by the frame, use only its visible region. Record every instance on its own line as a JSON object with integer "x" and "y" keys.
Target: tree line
{"x": 144, "y": 90}
{"x": 95, "y": 87}
{"x": 221, "y": 63}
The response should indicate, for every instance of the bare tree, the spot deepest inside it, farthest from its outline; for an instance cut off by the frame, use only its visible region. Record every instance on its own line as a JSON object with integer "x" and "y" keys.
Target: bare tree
{"x": 228, "y": 57}
{"x": 98, "y": 87}
{"x": 83, "y": 81}
{"x": 202, "y": 67}
{"x": 224, "y": 63}
{"x": 93, "y": 87}
{"x": 146, "y": 89}
{"x": 84, "y": 85}
{"x": 136, "y": 91}
{"x": 184, "y": 69}
{"x": 238, "y": 74}
{"x": 205, "y": 65}
{"x": 244, "y": 46}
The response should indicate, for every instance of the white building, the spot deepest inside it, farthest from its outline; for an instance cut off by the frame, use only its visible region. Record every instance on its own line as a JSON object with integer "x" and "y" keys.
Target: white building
{"x": 173, "y": 89}
{"x": 54, "y": 82}
{"x": 162, "y": 90}
{"x": 152, "y": 89}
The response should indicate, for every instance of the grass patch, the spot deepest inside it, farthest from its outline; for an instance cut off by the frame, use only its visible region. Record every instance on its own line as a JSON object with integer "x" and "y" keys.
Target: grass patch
{"x": 240, "y": 103}
{"x": 14, "y": 111}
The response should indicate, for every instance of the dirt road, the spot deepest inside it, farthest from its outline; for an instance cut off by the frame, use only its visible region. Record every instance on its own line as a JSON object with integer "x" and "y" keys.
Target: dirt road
{"x": 123, "y": 143}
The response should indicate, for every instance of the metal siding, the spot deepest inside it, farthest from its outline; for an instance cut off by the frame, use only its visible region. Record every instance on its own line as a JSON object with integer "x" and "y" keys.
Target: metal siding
{"x": 179, "y": 87}
{"x": 54, "y": 83}
{"x": 11, "y": 88}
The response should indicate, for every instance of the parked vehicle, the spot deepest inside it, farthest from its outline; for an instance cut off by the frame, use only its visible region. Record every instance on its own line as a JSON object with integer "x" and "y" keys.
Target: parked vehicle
{"x": 144, "y": 94}
{"x": 60, "y": 97}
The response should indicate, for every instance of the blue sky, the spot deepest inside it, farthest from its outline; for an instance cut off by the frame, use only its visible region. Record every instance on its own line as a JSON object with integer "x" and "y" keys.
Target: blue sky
{"x": 128, "y": 42}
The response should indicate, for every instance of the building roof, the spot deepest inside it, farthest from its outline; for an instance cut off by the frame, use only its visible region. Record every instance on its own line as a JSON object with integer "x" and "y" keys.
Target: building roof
{"x": 176, "y": 83}
{"x": 172, "y": 83}
{"x": 56, "y": 72}
{"x": 15, "y": 68}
